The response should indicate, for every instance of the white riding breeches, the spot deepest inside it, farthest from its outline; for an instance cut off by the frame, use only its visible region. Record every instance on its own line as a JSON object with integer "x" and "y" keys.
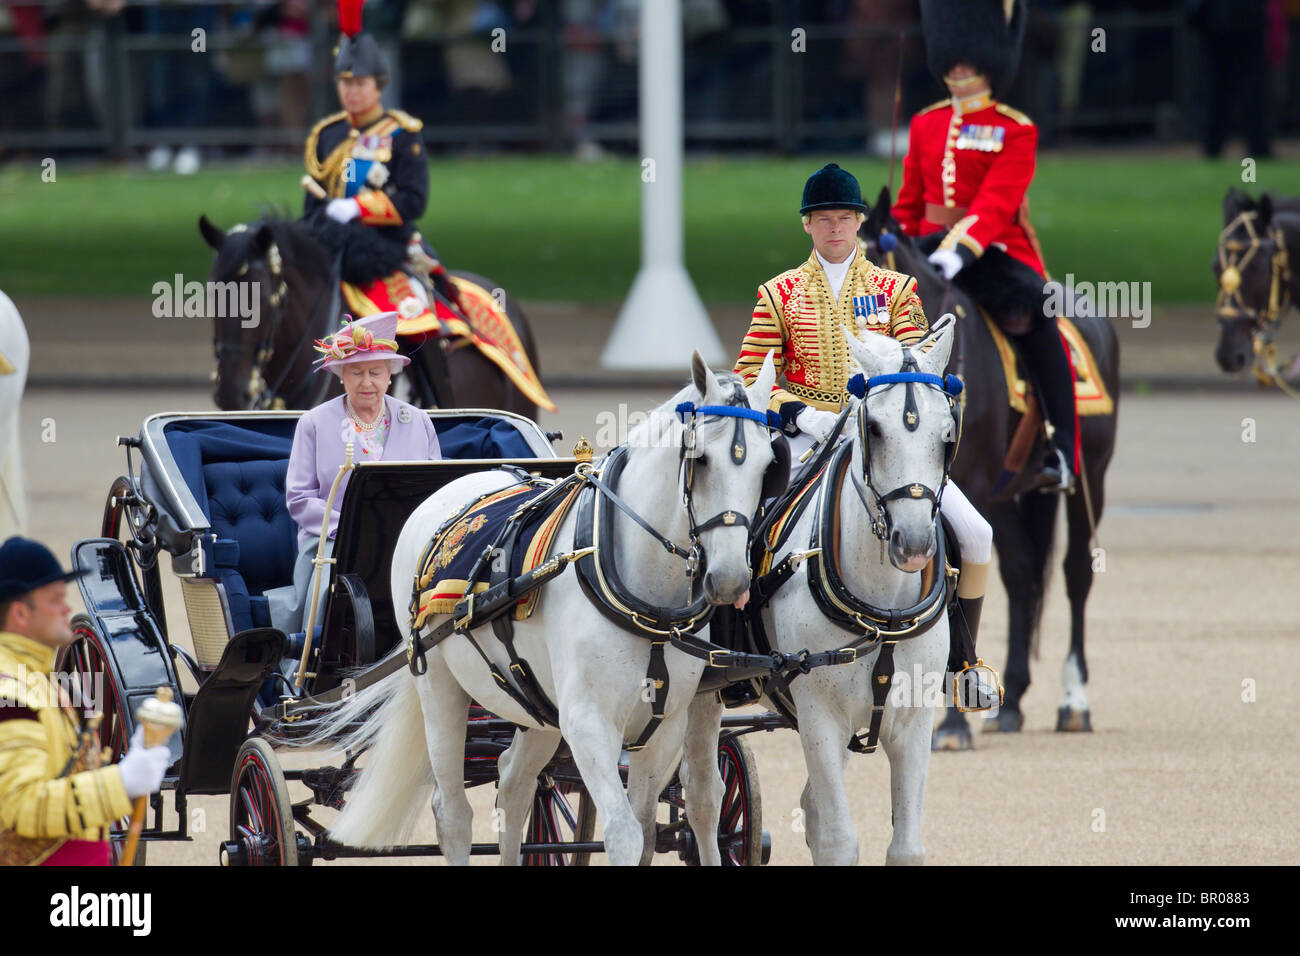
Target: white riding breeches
{"x": 974, "y": 534}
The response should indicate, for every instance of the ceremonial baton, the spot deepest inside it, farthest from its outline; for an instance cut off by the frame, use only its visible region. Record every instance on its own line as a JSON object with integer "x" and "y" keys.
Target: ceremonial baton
{"x": 161, "y": 717}
{"x": 313, "y": 187}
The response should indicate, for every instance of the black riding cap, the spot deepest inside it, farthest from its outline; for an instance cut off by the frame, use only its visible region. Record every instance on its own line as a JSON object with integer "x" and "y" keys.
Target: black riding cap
{"x": 832, "y": 188}
{"x": 987, "y": 34}
{"x": 26, "y": 565}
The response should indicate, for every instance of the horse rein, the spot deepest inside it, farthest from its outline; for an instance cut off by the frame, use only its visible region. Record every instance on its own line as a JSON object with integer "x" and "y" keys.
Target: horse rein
{"x": 1233, "y": 256}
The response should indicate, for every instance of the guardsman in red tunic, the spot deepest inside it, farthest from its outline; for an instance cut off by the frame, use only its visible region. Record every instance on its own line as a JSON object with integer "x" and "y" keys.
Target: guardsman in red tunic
{"x": 969, "y": 163}
{"x": 798, "y": 320}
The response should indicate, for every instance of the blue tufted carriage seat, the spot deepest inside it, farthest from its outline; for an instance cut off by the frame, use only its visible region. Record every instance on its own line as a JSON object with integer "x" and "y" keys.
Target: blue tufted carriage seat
{"x": 236, "y": 473}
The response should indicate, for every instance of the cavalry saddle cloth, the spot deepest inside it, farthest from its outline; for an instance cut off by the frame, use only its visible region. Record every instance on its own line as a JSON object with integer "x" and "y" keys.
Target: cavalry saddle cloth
{"x": 1090, "y": 393}
{"x": 456, "y": 548}
{"x": 484, "y": 325}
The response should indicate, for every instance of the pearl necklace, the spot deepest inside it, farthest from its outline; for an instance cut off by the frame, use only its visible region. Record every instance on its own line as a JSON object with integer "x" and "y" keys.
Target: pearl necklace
{"x": 362, "y": 426}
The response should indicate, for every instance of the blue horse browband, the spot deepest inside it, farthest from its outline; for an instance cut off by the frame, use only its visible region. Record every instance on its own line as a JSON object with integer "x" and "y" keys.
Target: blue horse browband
{"x": 858, "y": 385}
{"x": 770, "y": 419}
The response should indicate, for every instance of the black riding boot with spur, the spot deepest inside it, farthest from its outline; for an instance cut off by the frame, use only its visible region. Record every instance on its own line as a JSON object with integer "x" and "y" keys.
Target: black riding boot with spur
{"x": 1049, "y": 368}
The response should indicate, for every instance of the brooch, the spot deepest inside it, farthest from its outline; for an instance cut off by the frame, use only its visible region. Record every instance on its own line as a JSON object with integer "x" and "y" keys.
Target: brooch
{"x": 403, "y": 414}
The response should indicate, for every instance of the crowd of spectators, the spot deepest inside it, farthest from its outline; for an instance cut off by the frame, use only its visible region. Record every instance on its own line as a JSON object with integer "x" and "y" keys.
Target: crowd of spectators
{"x": 473, "y": 68}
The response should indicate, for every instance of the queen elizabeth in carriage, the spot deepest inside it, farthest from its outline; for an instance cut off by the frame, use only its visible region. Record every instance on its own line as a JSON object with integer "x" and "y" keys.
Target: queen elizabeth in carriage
{"x": 363, "y": 354}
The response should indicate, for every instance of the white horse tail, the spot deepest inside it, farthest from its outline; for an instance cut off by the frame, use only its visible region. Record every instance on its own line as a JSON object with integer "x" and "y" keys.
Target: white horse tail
{"x": 396, "y": 781}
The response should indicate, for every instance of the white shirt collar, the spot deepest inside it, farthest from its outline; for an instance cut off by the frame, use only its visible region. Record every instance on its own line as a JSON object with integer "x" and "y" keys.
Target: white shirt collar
{"x": 836, "y": 271}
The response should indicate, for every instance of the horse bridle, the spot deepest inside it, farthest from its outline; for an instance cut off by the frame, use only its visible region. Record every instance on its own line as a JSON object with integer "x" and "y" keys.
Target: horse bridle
{"x": 261, "y": 394}
{"x": 687, "y": 457}
{"x": 1233, "y": 255}
{"x": 908, "y": 375}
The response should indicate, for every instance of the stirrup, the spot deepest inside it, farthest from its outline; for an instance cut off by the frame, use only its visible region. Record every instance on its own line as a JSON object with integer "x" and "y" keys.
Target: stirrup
{"x": 972, "y": 694}
{"x": 1062, "y": 482}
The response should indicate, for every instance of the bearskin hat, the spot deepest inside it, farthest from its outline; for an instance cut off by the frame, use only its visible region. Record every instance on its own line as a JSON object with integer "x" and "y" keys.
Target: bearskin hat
{"x": 988, "y": 34}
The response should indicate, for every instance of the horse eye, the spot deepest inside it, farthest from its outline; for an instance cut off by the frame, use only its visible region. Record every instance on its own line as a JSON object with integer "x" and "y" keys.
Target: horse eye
{"x": 873, "y": 427}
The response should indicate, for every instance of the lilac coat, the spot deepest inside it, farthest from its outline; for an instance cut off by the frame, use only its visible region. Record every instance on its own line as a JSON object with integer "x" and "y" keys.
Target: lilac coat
{"x": 319, "y": 450}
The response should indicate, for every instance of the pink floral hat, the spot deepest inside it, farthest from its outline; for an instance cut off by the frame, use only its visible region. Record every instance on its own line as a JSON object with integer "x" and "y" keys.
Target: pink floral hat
{"x": 372, "y": 339}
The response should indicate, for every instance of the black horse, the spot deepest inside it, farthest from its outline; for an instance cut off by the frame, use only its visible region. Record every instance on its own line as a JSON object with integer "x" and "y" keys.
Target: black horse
{"x": 269, "y": 363}
{"x": 1024, "y": 524}
{"x": 1256, "y": 281}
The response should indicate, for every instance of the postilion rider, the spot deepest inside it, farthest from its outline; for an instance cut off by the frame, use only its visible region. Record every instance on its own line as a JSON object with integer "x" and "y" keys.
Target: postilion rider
{"x": 367, "y": 184}
{"x": 57, "y": 798}
{"x": 798, "y": 320}
{"x": 970, "y": 160}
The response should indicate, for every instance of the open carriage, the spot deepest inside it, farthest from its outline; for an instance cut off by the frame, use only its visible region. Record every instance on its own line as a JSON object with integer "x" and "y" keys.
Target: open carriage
{"x": 204, "y": 493}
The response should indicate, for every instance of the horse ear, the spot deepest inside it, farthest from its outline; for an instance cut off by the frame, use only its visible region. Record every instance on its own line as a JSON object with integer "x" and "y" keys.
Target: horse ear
{"x": 262, "y": 240}
{"x": 874, "y": 354}
{"x": 935, "y": 358}
{"x": 1235, "y": 201}
{"x": 211, "y": 234}
{"x": 1264, "y": 209}
{"x": 884, "y": 200}
{"x": 701, "y": 375}
{"x": 760, "y": 393}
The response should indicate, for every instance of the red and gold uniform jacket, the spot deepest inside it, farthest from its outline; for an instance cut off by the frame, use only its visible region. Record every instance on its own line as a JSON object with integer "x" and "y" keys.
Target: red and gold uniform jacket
{"x": 798, "y": 321}
{"x": 46, "y": 799}
{"x": 968, "y": 167}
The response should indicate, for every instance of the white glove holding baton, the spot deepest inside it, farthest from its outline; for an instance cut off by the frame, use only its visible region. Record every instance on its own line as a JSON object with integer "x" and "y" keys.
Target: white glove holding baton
{"x": 143, "y": 767}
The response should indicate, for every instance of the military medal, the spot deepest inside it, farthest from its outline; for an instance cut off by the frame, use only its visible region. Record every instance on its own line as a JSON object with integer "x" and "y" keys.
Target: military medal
{"x": 870, "y": 309}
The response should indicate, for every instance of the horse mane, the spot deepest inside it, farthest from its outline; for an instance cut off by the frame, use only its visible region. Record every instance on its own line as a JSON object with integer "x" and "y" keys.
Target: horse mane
{"x": 297, "y": 248}
{"x": 666, "y": 414}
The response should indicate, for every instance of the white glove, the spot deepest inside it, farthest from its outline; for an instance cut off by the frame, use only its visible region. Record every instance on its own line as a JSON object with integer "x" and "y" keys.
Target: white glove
{"x": 343, "y": 210}
{"x": 946, "y": 261}
{"x": 143, "y": 767}
{"x": 815, "y": 422}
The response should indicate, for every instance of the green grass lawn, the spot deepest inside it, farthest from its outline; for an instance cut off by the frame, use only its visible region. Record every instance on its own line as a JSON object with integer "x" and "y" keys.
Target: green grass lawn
{"x": 554, "y": 229}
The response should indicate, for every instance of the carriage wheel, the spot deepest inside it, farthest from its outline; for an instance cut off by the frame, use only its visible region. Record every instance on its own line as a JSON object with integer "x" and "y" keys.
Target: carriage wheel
{"x": 562, "y": 813}
{"x": 87, "y": 660}
{"x": 262, "y": 831}
{"x": 740, "y": 823}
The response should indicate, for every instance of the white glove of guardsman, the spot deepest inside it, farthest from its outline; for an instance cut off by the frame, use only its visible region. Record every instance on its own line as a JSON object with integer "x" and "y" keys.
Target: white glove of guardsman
{"x": 342, "y": 210}
{"x": 815, "y": 422}
{"x": 946, "y": 261}
{"x": 143, "y": 767}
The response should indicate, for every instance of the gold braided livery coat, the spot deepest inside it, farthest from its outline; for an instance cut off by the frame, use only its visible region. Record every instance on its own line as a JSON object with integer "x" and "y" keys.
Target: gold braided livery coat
{"x": 46, "y": 798}
{"x": 798, "y": 320}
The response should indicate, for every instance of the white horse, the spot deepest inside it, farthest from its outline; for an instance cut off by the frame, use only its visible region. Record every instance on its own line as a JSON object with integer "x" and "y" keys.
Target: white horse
{"x": 593, "y": 672}
{"x": 833, "y": 702}
{"x": 15, "y": 351}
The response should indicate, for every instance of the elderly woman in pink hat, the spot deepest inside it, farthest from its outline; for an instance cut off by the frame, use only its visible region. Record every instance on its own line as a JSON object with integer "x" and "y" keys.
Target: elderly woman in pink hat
{"x": 363, "y": 354}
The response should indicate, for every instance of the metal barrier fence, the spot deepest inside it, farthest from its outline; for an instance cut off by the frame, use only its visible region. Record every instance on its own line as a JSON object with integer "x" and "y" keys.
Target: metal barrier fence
{"x": 782, "y": 84}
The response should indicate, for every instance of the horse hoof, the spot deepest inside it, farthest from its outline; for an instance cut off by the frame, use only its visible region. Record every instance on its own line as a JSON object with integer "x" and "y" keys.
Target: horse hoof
{"x": 952, "y": 738}
{"x": 1074, "y": 721}
{"x": 1006, "y": 722}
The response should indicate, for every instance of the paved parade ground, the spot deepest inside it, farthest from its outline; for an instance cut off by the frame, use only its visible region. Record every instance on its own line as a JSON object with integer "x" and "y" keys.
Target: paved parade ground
{"x": 1191, "y": 646}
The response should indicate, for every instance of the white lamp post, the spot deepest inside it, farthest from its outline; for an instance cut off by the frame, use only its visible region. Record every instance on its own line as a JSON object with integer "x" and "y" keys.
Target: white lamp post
{"x": 662, "y": 319}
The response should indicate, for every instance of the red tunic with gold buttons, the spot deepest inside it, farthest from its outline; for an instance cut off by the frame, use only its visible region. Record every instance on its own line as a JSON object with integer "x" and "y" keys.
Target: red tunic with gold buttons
{"x": 968, "y": 167}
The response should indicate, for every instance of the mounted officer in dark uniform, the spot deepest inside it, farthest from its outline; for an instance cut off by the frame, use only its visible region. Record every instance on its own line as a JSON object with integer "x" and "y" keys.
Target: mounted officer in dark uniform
{"x": 367, "y": 183}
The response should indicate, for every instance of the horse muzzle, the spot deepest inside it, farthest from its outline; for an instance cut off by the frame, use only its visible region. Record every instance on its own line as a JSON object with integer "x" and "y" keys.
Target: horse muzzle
{"x": 910, "y": 551}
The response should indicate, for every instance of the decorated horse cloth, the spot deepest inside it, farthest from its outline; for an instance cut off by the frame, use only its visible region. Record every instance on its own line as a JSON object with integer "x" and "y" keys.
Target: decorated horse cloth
{"x": 484, "y": 324}
{"x": 1090, "y": 394}
{"x": 457, "y": 547}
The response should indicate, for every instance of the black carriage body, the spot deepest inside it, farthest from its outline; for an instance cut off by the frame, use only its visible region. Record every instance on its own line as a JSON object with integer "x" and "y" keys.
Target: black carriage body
{"x": 176, "y": 514}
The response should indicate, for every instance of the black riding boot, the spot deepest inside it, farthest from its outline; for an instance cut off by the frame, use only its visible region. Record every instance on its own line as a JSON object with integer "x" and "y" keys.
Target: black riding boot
{"x": 1049, "y": 368}
{"x": 973, "y": 692}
